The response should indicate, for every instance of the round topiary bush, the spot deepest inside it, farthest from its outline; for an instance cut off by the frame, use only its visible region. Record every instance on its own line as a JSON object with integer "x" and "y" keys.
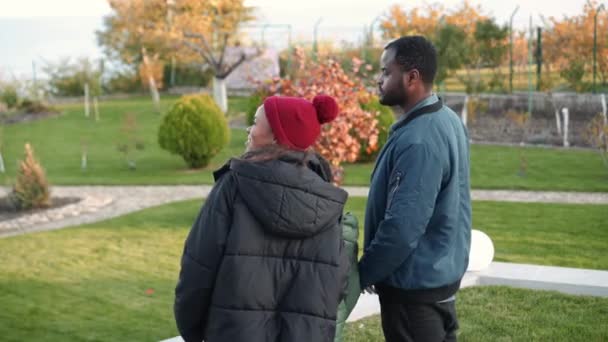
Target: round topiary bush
{"x": 385, "y": 119}
{"x": 255, "y": 101}
{"x": 194, "y": 128}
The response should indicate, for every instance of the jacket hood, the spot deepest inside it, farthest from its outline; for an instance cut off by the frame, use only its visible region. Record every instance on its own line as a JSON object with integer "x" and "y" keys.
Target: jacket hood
{"x": 289, "y": 199}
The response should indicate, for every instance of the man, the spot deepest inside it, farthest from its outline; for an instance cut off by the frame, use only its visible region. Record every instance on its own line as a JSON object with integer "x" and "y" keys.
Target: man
{"x": 418, "y": 216}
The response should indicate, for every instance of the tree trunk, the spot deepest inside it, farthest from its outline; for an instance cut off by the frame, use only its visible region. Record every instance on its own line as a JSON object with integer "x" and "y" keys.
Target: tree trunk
{"x": 96, "y": 108}
{"x": 86, "y": 100}
{"x": 219, "y": 93}
{"x": 465, "y": 111}
{"x": 151, "y": 81}
{"x": 154, "y": 93}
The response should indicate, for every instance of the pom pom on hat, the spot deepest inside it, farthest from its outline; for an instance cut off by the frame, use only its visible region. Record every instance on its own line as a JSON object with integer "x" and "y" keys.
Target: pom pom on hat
{"x": 327, "y": 108}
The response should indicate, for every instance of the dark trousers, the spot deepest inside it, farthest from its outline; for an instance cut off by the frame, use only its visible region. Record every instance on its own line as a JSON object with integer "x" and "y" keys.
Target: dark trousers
{"x": 418, "y": 322}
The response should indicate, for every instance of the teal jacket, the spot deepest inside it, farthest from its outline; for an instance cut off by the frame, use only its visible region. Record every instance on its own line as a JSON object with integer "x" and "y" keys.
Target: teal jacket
{"x": 418, "y": 215}
{"x": 350, "y": 235}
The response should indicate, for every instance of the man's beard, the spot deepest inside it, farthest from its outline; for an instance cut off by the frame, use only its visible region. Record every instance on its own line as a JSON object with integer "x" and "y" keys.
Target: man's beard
{"x": 396, "y": 97}
{"x": 393, "y": 99}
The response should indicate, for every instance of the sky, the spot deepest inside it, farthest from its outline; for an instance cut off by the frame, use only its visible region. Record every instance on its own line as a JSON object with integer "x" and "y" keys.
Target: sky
{"x": 35, "y": 31}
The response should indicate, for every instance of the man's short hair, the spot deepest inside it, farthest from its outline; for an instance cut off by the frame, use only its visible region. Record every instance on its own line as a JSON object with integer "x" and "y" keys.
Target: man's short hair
{"x": 416, "y": 52}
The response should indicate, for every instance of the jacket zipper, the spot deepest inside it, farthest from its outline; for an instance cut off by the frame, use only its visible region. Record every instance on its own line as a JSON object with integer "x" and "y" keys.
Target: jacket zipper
{"x": 393, "y": 191}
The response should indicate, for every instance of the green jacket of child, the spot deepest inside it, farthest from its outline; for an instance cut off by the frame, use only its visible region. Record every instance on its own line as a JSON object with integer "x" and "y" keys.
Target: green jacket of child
{"x": 350, "y": 235}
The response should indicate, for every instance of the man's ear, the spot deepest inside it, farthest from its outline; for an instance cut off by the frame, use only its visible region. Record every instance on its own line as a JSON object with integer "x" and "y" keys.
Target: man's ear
{"x": 411, "y": 77}
{"x": 414, "y": 75}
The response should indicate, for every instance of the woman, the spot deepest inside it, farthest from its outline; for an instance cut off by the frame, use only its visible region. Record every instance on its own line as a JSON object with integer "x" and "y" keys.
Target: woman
{"x": 264, "y": 260}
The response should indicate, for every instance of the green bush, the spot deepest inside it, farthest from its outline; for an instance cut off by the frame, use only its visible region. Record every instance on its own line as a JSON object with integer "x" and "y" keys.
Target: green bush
{"x": 68, "y": 78}
{"x": 187, "y": 75}
{"x": 385, "y": 119}
{"x": 194, "y": 128}
{"x": 255, "y": 100}
{"x": 573, "y": 74}
{"x": 125, "y": 81}
{"x": 9, "y": 96}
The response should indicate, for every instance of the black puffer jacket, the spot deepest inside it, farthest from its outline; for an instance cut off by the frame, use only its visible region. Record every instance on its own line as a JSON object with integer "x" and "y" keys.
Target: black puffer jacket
{"x": 264, "y": 260}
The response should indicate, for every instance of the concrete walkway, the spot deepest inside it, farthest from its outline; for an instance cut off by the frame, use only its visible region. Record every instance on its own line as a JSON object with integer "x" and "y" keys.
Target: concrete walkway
{"x": 562, "y": 279}
{"x": 119, "y": 200}
{"x": 566, "y": 280}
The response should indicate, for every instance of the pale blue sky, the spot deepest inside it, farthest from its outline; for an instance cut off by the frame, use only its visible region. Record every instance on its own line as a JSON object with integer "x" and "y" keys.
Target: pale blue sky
{"x": 33, "y": 30}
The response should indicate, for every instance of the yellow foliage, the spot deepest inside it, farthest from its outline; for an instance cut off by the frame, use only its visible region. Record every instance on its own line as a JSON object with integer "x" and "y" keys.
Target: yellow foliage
{"x": 425, "y": 20}
{"x": 571, "y": 38}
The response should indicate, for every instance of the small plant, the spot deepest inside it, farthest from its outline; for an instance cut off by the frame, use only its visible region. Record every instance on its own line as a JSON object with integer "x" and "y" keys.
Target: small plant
{"x": 475, "y": 107}
{"x": 597, "y": 136}
{"x": 31, "y": 190}
{"x": 35, "y": 107}
{"x": 574, "y": 73}
{"x": 131, "y": 142}
{"x": 196, "y": 129}
{"x": 84, "y": 158}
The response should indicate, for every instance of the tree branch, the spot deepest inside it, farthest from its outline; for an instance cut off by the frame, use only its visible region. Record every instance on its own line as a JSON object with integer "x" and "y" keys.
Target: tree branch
{"x": 206, "y": 46}
{"x": 240, "y": 61}
{"x": 201, "y": 52}
{"x": 224, "y": 43}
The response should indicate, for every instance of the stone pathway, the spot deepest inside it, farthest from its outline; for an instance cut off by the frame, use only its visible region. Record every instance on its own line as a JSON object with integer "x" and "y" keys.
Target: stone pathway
{"x": 104, "y": 202}
{"x": 117, "y": 200}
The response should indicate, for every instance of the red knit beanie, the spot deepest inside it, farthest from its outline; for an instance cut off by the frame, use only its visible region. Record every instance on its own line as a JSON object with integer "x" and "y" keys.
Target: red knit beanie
{"x": 296, "y": 122}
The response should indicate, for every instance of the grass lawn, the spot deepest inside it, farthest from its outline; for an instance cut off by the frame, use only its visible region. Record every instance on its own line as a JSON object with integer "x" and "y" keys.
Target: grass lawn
{"x": 57, "y": 143}
{"x": 506, "y": 314}
{"x": 496, "y": 167}
{"x": 569, "y": 235}
{"x": 114, "y": 280}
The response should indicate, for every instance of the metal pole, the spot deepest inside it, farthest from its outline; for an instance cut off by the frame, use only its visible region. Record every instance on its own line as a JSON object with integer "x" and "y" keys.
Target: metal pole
{"x": 172, "y": 71}
{"x": 597, "y": 11}
{"x": 539, "y": 57}
{"x": 511, "y": 50}
{"x": 314, "y": 43}
{"x": 371, "y": 30}
{"x": 263, "y": 32}
{"x": 530, "y": 87}
{"x": 442, "y": 84}
{"x": 289, "y": 48}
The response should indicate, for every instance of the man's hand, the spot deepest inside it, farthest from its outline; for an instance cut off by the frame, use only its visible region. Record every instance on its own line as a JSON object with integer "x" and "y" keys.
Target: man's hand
{"x": 370, "y": 290}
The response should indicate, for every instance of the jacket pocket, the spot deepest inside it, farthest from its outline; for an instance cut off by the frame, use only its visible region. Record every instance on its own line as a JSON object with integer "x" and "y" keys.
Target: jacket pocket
{"x": 393, "y": 186}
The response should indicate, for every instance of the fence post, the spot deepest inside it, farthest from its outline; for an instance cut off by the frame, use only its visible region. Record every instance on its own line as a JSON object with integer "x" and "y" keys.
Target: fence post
{"x": 558, "y": 121}
{"x": 86, "y": 100}
{"x": 604, "y": 109}
{"x": 465, "y": 110}
{"x": 566, "y": 122}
